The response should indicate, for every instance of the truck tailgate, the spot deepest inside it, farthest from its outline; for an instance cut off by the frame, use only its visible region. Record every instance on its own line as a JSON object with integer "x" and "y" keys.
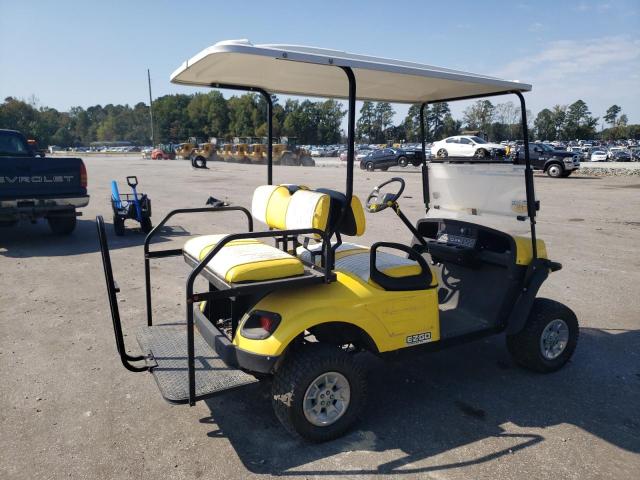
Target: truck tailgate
{"x": 30, "y": 177}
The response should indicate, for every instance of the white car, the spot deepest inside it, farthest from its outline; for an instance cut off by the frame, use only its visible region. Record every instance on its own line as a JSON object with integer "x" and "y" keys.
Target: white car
{"x": 598, "y": 156}
{"x": 467, "y": 146}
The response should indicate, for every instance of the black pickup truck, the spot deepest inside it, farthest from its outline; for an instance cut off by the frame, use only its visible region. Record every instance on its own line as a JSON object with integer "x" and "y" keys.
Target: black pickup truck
{"x": 555, "y": 163}
{"x": 32, "y": 188}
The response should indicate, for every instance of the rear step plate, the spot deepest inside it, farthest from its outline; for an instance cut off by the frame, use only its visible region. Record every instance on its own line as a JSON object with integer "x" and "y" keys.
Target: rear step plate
{"x": 167, "y": 345}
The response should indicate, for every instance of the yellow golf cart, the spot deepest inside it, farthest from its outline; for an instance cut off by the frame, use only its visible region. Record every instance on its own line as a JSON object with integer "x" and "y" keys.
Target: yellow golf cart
{"x": 295, "y": 301}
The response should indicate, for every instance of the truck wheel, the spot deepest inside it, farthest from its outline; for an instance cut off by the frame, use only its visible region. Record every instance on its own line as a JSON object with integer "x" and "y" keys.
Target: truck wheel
{"x": 369, "y": 166}
{"x": 554, "y": 170}
{"x": 319, "y": 392}
{"x": 146, "y": 225}
{"x": 402, "y": 161}
{"x": 62, "y": 225}
{"x": 118, "y": 225}
{"x": 307, "y": 161}
{"x": 548, "y": 339}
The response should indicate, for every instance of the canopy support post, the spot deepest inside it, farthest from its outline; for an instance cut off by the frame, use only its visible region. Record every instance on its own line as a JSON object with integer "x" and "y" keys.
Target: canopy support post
{"x": 425, "y": 171}
{"x": 267, "y": 98}
{"x": 351, "y": 136}
{"x": 528, "y": 176}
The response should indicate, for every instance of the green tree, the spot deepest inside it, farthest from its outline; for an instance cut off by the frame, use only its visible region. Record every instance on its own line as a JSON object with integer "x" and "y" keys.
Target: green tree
{"x": 365, "y": 126}
{"x": 544, "y": 125}
{"x": 578, "y": 122}
{"x": 383, "y": 114}
{"x": 612, "y": 114}
{"x": 479, "y": 116}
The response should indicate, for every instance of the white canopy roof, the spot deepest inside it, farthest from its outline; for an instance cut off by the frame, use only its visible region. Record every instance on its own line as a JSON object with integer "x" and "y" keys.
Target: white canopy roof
{"x": 305, "y": 71}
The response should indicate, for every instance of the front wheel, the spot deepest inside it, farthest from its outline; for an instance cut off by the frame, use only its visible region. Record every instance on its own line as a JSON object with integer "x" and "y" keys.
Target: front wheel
{"x": 369, "y": 166}
{"x": 402, "y": 161}
{"x": 548, "y": 339}
{"x": 555, "y": 171}
{"x": 319, "y": 392}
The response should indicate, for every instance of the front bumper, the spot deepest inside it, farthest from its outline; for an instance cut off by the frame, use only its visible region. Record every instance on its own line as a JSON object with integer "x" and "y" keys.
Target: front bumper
{"x": 231, "y": 355}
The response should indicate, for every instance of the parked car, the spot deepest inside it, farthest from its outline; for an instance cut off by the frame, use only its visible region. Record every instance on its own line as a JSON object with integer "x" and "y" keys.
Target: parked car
{"x": 555, "y": 163}
{"x": 390, "y": 157}
{"x": 467, "y": 146}
{"x": 360, "y": 154}
{"x": 598, "y": 156}
{"x": 32, "y": 188}
{"x": 620, "y": 156}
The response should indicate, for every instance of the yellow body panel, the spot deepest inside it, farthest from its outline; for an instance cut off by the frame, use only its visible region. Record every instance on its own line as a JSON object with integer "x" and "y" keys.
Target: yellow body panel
{"x": 524, "y": 250}
{"x": 393, "y": 320}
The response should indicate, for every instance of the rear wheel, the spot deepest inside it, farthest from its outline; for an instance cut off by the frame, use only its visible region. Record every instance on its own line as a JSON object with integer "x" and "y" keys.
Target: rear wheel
{"x": 146, "y": 225}
{"x": 548, "y": 339}
{"x": 554, "y": 170}
{"x": 118, "y": 225}
{"x": 62, "y": 225}
{"x": 442, "y": 153}
{"x": 319, "y": 392}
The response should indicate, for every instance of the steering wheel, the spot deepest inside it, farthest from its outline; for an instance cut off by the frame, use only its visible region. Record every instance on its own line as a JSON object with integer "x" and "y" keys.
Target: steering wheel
{"x": 378, "y": 200}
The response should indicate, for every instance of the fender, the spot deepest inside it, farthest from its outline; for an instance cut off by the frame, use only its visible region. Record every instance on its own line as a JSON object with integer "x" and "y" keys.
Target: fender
{"x": 536, "y": 274}
{"x": 348, "y": 300}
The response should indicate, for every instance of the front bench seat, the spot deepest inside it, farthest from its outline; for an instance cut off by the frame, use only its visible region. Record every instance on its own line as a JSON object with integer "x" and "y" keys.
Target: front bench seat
{"x": 251, "y": 260}
{"x": 353, "y": 259}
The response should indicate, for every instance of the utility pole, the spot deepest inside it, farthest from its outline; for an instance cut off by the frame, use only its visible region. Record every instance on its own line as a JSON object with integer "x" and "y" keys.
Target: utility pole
{"x": 150, "y": 109}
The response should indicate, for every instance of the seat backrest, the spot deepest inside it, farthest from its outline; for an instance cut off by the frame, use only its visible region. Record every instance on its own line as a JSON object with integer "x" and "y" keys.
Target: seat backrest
{"x": 290, "y": 207}
{"x": 353, "y": 223}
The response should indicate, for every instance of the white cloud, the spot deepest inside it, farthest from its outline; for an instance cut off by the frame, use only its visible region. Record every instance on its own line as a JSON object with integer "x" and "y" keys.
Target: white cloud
{"x": 601, "y": 71}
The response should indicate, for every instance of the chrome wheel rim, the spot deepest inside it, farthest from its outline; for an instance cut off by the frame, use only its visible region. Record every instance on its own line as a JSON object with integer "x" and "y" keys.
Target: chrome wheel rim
{"x": 554, "y": 339}
{"x": 326, "y": 399}
{"x": 554, "y": 171}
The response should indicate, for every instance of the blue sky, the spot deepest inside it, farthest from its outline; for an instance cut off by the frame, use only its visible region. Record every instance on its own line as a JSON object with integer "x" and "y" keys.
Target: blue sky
{"x": 88, "y": 52}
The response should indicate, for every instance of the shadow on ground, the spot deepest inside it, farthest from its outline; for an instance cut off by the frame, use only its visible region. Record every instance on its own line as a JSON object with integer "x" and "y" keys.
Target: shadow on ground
{"x": 443, "y": 401}
{"x": 36, "y": 240}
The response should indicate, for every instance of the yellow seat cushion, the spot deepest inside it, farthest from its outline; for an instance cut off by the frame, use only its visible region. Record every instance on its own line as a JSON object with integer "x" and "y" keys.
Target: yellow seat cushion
{"x": 246, "y": 260}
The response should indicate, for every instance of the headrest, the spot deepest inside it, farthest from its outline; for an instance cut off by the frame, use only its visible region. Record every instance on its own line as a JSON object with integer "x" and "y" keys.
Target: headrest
{"x": 353, "y": 223}
{"x": 267, "y": 201}
{"x": 308, "y": 209}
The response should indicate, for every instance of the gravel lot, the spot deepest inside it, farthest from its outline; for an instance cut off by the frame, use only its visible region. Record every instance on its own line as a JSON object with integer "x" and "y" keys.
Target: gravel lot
{"x": 69, "y": 410}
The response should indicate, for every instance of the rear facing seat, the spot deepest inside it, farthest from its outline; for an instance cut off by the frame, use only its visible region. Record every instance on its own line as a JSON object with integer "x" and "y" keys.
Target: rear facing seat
{"x": 250, "y": 260}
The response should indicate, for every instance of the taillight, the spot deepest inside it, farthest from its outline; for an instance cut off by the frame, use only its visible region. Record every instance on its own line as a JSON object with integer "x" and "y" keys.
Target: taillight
{"x": 83, "y": 175}
{"x": 260, "y": 325}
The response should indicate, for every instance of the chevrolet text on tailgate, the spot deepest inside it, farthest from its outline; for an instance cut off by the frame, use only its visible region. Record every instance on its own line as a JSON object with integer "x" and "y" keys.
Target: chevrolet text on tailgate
{"x": 32, "y": 187}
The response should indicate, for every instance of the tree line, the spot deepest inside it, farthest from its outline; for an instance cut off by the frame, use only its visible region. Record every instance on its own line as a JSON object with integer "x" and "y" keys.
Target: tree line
{"x": 203, "y": 115}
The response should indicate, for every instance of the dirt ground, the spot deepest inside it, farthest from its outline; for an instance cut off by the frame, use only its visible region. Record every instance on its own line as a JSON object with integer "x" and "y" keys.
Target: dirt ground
{"x": 69, "y": 410}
